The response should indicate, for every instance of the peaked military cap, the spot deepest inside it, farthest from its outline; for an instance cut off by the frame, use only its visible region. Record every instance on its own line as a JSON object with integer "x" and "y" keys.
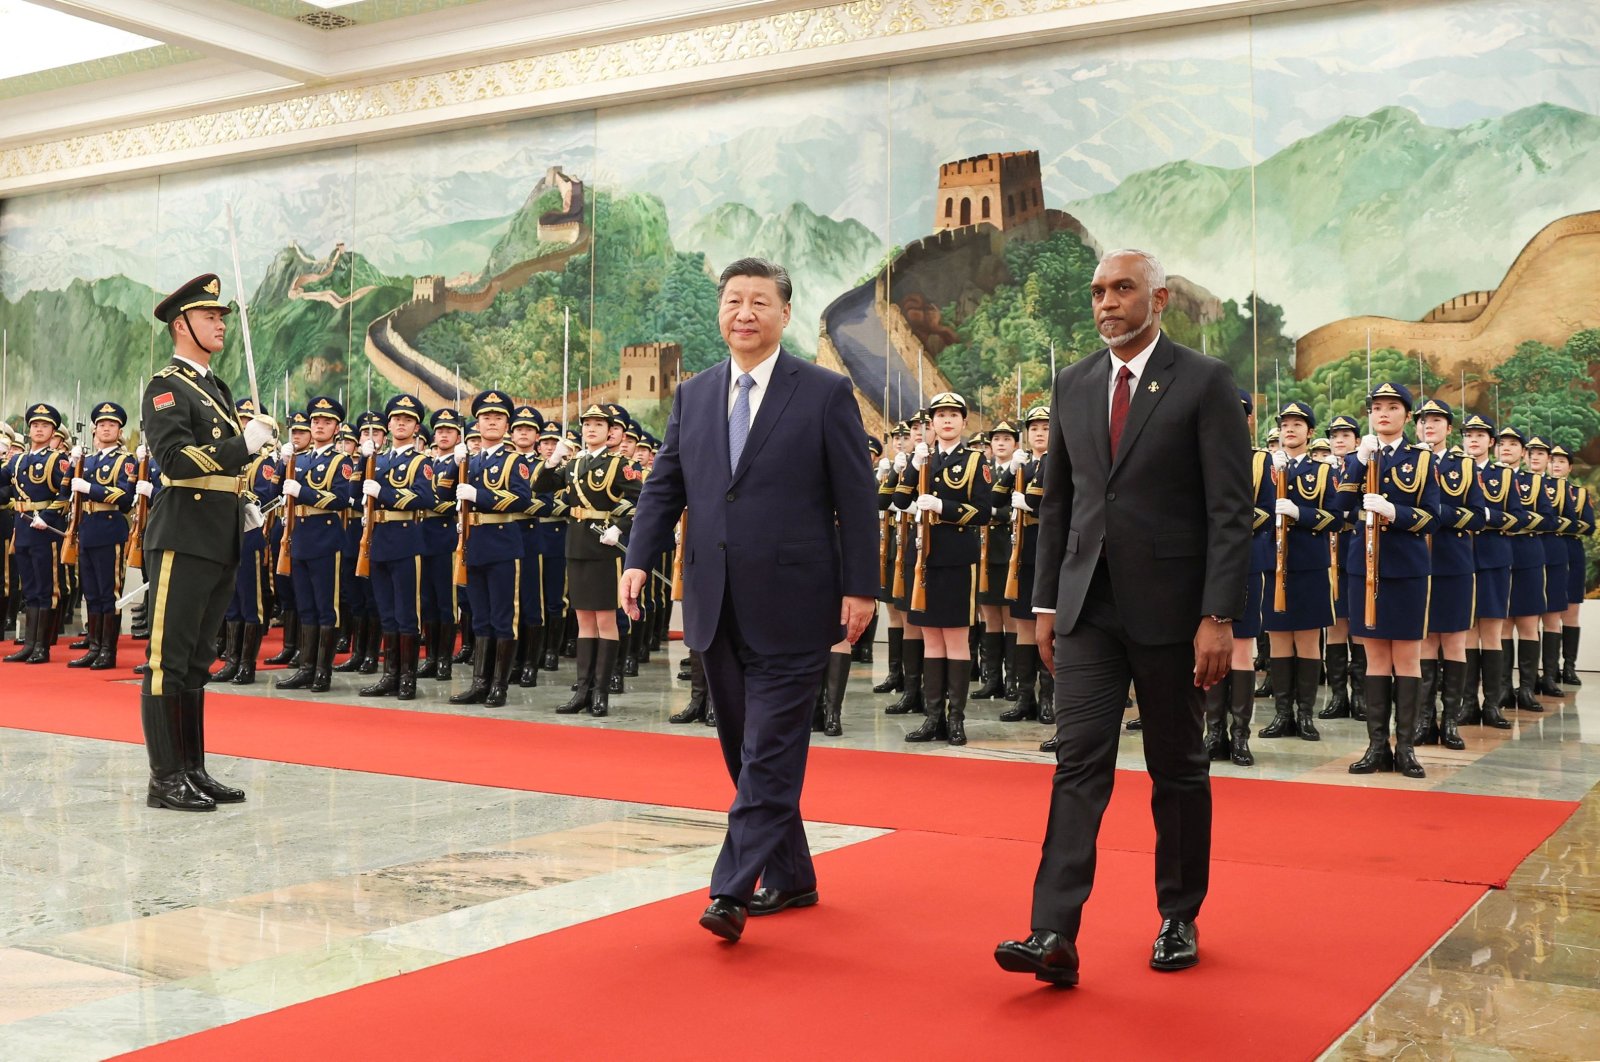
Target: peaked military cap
{"x": 345, "y": 434}
{"x": 1036, "y": 414}
{"x": 902, "y": 428}
{"x": 1389, "y": 389}
{"x": 617, "y": 413}
{"x": 1437, "y": 408}
{"x": 948, "y": 400}
{"x": 633, "y": 430}
{"x": 1477, "y": 422}
{"x": 446, "y": 418}
{"x": 372, "y": 419}
{"x": 1343, "y": 422}
{"x": 201, "y": 293}
{"x": 1508, "y": 432}
{"x": 424, "y": 434}
{"x": 245, "y": 407}
{"x": 1247, "y": 402}
{"x": 595, "y": 412}
{"x": 110, "y": 411}
{"x": 526, "y": 417}
{"x": 298, "y": 421}
{"x": 491, "y": 402}
{"x": 978, "y": 439}
{"x": 919, "y": 417}
{"x": 1558, "y": 450}
{"x": 407, "y": 405}
{"x": 551, "y": 430}
{"x": 1302, "y": 410}
{"x": 1004, "y": 427}
{"x": 1321, "y": 444}
{"x": 572, "y": 437}
{"x": 325, "y": 406}
{"x": 46, "y": 412}
{"x": 874, "y": 447}
{"x": 1536, "y": 443}
{"x": 1272, "y": 435}
{"x": 472, "y": 431}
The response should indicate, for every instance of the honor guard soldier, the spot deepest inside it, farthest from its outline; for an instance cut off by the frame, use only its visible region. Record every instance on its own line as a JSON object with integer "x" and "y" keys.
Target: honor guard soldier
{"x": 950, "y": 515}
{"x": 598, "y": 490}
{"x": 1308, "y": 508}
{"x": 41, "y": 485}
{"x": 526, "y": 425}
{"x": 401, "y": 494}
{"x": 299, "y": 426}
{"x": 999, "y": 631}
{"x": 473, "y": 441}
{"x": 912, "y": 652}
{"x": 1345, "y": 660}
{"x": 320, "y": 493}
{"x": 360, "y": 628}
{"x": 438, "y": 532}
{"x": 106, "y": 493}
{"x": 10, "y": 600}
{"x": 1451, "y": 591}
{"x": 1492, "y": 552}
{"x": 1227, "y": 711}
{"x": 1580, "y": 512}
{"x": 1027, "y": 494}
{"x": 241, "y": 630}
{"x": 889, "y": 557}
{"x": 1400, "y": 515}
{"x": 1527, "y": 572}
{"x": 552, "y": 545}
{"x": 495, "y": 496}
{"x": 193, "y": 541}
{"x": 1554, "y": 543}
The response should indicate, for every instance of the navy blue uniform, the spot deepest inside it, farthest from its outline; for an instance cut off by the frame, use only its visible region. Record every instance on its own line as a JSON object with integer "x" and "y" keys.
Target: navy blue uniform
{"x": 405, "y": 492}
{"x": 103, "y": 526}
{"x": 1527, "y": 547}
{"x": 438, "y": 535}
{"x": 1031, "y": 475}
{"x": 1503, "y": 514}
{"x": 1262, "y": 559}
{"x": 962, "y": 481}
{"x": 1452, "y": 597}
{"x": 319, "y": 533}
{"x": 1308, "y": 589}
{"x": 1552, "y": 538}
{"x": 503, "y": 480}
{"x": 262, "y": 487}
{"x": 41, "y": 482}
{"x": 1403, "y": 560}
{"x": 1581, "y": 510}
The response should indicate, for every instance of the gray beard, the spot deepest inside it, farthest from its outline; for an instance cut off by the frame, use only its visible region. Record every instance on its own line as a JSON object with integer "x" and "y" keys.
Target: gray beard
{"x": 1123, "y": 340}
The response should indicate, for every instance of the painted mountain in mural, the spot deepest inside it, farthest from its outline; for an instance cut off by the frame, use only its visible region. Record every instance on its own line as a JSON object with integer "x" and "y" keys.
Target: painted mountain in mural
{"x": 1378, "y": 214}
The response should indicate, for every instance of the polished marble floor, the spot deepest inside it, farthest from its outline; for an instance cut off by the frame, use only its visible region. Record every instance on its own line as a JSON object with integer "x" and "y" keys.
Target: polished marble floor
{"x": 331, "y": 879}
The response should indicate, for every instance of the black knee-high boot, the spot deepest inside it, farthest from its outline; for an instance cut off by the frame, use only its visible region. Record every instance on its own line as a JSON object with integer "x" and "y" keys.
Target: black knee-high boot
{"x": 934, "y": 686}
{"x": 1306, "y": 676}
{"x": 1549, "y": 684}
{"x": 1217, "y": 699}
{"x": 607, "y": 670}
{"x": 1407, "y": 712}
{"x": 1337, "y": 660}
{"x": 1527, "y": 699}
{"x": 1358, "y": 682}
{"x": 1025, "y": 666}
{"x": 1008, "y": 661}
{"x": 695, "y": 710}
{"x": 1282, "y": 672}
{"x": 990, "y": 646}
{"x": 1427, "y": 731}
{"x": 1569, "y": 654}
{"x": 583, "y": 689}
{"x": 1378, "y": 756}
{"x": 895, "y": 681}
{"x": 482, "y": 660}
{"x": 912, "y": 657}
{"x": 1241, "y": 686}
{"x": 1453, "y": 684}
{"x": 1471, "y": 708}
{"x": 958, "y": 677}
{"x": 1496, "y": 677}
{"x": 833, "y": 693}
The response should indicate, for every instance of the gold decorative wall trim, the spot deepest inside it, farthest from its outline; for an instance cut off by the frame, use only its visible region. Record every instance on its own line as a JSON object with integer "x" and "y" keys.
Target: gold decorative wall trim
{"x": 819, "y": 40}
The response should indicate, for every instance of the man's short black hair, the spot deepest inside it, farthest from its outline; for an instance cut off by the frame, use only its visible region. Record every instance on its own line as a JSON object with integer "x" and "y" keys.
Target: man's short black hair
{"x": 758, "y": 267}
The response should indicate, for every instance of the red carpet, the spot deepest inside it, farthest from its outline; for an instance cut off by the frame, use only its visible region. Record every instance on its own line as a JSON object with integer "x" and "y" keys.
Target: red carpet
{"x": 1418, "y": 833}
{"x": 896, "y": 963}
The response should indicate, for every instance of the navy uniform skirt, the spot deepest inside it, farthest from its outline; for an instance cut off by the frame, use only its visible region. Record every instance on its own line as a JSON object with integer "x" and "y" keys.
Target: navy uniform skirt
{"x": 1341, "y": 601}
{"x": 1493, "y": 593}
{"x": 1249, "y": 624}
{"x": 1527, "y": 591}
{"x": 1308, "y": 594}
{"x": 1577, "y": 572}
{"x": 951, "y": 597}
{"x": 1555, "y": 588}
{"x": 1402, "y": 608}
{"x": 996, "y": 594}
{"x": 1452, "y": 604}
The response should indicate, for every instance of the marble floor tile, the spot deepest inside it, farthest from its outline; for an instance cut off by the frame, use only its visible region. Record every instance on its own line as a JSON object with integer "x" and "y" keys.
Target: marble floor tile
{"x": 92, "y": 1031}
{"x": 285, "y": 980}
{"x": 32, "y": 984}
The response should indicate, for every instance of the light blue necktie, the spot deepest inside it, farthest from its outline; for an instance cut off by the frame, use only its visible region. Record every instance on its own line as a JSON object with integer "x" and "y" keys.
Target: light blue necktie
{"x": 739, "y": 421}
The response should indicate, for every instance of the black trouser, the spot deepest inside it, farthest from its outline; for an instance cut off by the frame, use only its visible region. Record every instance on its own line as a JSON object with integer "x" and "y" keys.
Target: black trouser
{"x": 1093, "y": 667}
{"x": 187, "y": 599}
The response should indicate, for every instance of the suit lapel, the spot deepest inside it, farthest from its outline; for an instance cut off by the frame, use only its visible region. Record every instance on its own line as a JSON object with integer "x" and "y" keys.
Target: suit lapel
{"x": 780, "y": 388}
{"x": 1152, "y": 387}
{"x": 718, "y": 413}
{"x": 1098, "y": 415}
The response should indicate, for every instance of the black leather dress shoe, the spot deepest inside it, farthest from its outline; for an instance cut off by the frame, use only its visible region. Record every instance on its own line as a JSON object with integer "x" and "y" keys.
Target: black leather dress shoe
{"x": 771, "y": 901}
{"x": 1134, "y": 725}
{"x": 1177, "y": 946}
{"x": 725, "y": 918}
{"x": 1049, "y": 956}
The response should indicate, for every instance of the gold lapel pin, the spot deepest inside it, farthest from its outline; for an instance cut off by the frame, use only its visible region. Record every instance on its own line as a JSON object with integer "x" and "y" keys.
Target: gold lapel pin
{"x": 1155, "y": 386}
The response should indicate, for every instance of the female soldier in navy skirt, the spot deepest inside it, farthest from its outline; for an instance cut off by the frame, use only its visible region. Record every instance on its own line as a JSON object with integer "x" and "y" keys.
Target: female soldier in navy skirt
{"x": 1403, "y": 512}
{"x": 1580, "y": 511}
{"x": 1555, "y": 567}
{"x": 888, "y": 479}
{"x": 1026, "y": 490}
{"x": 1491, "y": 558}
{"x": 1308, "y": 507}
{"x": 1452, "y": 593}
{"x": 1347, "y": 662}
{"x": 996, "y": 651}
{"x": 1527, "y": 573}
{"x": 904, "y": 521}
{"x": 951, "y": 513}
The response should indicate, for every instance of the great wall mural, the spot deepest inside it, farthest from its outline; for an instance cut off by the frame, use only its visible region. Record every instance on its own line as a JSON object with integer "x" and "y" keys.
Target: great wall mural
{"x": 1442, "y": 203}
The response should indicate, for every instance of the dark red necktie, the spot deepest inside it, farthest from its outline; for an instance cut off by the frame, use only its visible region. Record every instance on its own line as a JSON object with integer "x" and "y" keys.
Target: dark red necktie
{"x": 1119, "y": 407}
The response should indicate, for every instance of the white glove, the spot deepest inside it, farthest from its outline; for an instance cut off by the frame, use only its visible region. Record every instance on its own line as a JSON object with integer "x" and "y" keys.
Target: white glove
{"x": 558, "y": 453}
{"x": 80, "y": 485}
{"x": 900, "y": 462}
{"x": 1019, "y": 502}
{"x": 930, "y": 503}
{"x": 919, "y": 456}
{"x": 1377, "y": 503}
{"x": 460, "y": 452}
{"x": 79, "y": 451}
{"x": 38, "y": 522}
{"x": 291, "y": 488}
{"x": 258, "y": 433}
{"x": 883, "y": 467}
{"x": 286, "y": 453}
{"x": 1285, "y": 507}
{"x": 611, "y": 535}
{"x": 1368, "y": 447}
{"x": 1280, "y": 460}
{"x": 252, "y": 516}
{"x": 141, "y": 452}
{"x": 367, "y": 449}
{"x": 1017, "y": 461}
{"x": 467, "y": 492}
{"x": 144, "y": 488}
{"x": 371, "y": 488}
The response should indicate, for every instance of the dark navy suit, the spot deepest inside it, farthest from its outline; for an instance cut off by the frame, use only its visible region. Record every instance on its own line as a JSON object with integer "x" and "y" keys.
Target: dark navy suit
{"x": 770, "y": 551}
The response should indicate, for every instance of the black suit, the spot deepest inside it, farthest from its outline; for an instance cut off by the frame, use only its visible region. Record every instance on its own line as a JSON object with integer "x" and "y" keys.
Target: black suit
{"x": 1134, "y": 550}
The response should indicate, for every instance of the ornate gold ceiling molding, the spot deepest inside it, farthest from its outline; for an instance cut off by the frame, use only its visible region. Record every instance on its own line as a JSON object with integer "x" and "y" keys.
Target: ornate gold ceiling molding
{"x": 810, "y": 41}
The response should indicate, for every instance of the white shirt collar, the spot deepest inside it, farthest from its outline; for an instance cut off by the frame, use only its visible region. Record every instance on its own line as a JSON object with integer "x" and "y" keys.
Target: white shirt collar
{"x": 597, "y": 451}
{"x": 195, "y": 365}
{"x": 762, "y": 373}
{"x": 1136, "y": 363}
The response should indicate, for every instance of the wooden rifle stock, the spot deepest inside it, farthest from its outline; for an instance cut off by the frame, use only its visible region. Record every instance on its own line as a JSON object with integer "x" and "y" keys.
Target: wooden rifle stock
{"x": 69, "y": 548}
{"x": 1280, "y": 593}
{"x": 919, "y": 584}
{"x": 1014, "y": 568}
{"x": 677, "y": 558}
{"x": 141, "y": 514}
{"x": 899, "y": 587}
{"x": 369, "y": 506}
{"x": 284, "y": 563}
{"x": 883, "y": 548}
{"x": 1370, "y": 536}
{"x": 465, "y": 511}
{"x": 983, "y": 560}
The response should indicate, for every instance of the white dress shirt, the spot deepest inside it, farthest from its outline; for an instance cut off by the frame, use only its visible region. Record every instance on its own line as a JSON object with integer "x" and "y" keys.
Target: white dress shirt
{"x": 1136, "y": 365}
{"x": 762, "y": 374}
{"x": 195, "y": 365}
